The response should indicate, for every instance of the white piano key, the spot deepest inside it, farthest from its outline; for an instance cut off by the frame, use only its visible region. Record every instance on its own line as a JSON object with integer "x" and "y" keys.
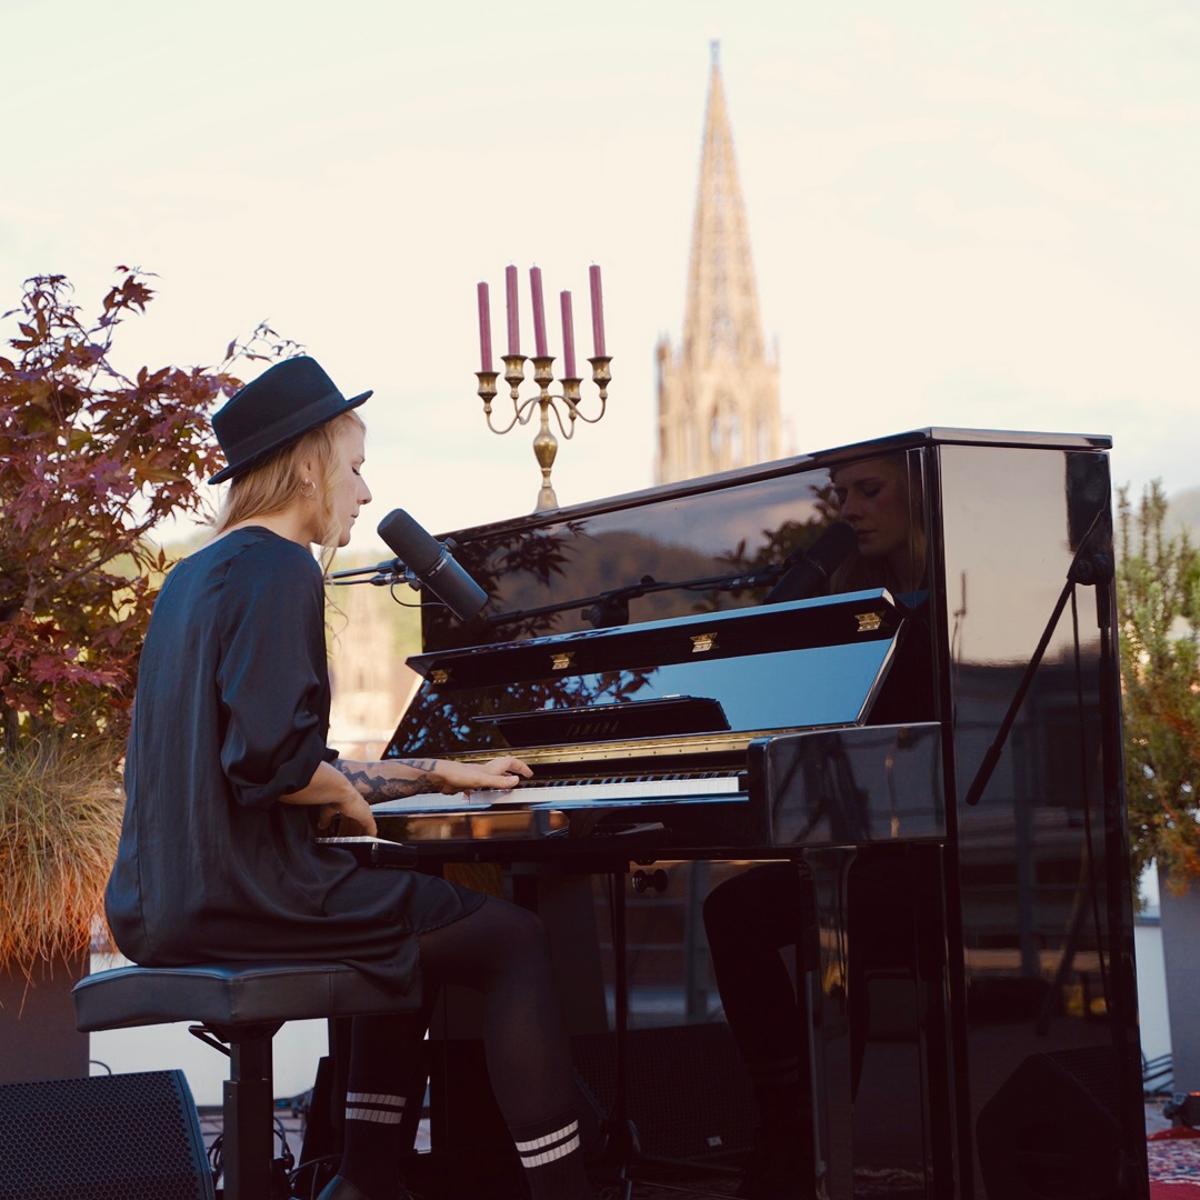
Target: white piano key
{"x": 552, "y": 794}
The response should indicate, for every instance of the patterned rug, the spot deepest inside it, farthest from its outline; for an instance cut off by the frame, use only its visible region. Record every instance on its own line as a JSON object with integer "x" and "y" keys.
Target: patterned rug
{"x": 1174, "y": 1164}
{"x": 869, "y": 1184}
{"x": 1174, "y": 1175}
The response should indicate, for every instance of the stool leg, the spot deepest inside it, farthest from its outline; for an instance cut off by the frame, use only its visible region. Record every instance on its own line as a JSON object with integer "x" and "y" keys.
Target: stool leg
{"x": 341, "y": 1033}
{"x": 248, "y": 1118}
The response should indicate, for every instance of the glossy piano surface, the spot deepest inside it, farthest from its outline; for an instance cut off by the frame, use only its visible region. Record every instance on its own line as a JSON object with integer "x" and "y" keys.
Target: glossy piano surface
{"x": 1042, "y": 886}
{"x": 801, "y": 664}
{"x": 852, "y": 787}
{"x": 920, "y": 950}
{"x": 700, "y": 530}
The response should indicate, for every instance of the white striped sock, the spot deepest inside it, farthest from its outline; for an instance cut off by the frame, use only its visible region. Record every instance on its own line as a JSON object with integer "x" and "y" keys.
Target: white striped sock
{"x": 540, "y": 1160}
{"x": 380, "y": 1107}
{"x": 381, "y": 1116}
{"x": 557, "y": 1135}
{"x": 375, "y": 1098}
{"x": 549, "y": 1147}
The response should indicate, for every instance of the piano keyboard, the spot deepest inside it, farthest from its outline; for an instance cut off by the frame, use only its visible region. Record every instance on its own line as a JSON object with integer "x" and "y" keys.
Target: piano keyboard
{"x": 570, "y": 794}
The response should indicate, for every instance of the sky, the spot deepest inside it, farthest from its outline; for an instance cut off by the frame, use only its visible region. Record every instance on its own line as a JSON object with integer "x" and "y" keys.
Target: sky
{"x": 960, "y": 214}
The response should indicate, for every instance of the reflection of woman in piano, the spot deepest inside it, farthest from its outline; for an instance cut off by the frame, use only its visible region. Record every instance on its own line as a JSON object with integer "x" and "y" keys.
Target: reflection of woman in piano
{"x": 227, "y": 752}
{"x": 751, "y": 917}
{"x": 883, "y": 503}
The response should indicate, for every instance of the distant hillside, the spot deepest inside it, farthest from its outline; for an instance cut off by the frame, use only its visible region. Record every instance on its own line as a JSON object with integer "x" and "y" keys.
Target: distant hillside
{"x": 1183, "y": 512}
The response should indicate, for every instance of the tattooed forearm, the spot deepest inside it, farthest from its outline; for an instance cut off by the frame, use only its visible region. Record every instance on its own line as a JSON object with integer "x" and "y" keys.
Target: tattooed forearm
{"x": 378, "y": 781}
{"x": 417, "y": 764}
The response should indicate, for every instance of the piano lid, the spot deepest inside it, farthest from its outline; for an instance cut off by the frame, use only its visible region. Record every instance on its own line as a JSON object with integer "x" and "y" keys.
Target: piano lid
{"x": 802, "y": 664}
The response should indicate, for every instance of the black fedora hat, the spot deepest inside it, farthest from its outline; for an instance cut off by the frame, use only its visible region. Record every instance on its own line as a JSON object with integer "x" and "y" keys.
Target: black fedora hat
{"x": 272, "y": 411}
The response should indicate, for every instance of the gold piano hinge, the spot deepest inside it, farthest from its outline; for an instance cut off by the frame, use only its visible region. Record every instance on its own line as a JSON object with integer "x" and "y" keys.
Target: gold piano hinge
{"x": 662, "y": 747}
{"x": 560, "y": 662}
{"x": 868, "y": 622}
{"x": 702, "y": 643}
{"x": 439, "y": 676}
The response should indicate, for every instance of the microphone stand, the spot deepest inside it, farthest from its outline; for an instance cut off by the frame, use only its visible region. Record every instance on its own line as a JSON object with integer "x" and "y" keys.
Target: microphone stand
{"x": 391, "y": 571}
{"x": 1093, "y": 567}
{"x": 383, "y": 574}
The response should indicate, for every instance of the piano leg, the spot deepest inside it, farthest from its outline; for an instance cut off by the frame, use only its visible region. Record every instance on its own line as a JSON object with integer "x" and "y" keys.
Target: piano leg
{"x": 881, "y": 1065}
{"x": 621, "y": 1145}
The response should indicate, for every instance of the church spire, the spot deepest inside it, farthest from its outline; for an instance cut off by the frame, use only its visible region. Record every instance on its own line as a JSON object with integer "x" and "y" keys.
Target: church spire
{"x": 722, "y": 301}
{"x": 718, "y": 393}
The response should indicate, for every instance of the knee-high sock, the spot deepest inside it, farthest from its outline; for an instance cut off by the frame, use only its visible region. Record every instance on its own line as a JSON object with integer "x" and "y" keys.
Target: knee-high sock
{"x": 501, "y": 950}
{"x": 382, "y": 1081}
{"x": 549, "y": 1154}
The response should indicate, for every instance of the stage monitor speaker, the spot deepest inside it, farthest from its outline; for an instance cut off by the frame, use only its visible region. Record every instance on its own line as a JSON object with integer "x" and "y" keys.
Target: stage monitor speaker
{"x": 112, "y": 1137}
{"x": 688, "y": 1091}
{"x": 1052, "y": 1131}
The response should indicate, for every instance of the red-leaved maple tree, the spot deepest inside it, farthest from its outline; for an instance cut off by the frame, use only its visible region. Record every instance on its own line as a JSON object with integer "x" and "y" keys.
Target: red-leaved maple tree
{"x": 92, "y": 463}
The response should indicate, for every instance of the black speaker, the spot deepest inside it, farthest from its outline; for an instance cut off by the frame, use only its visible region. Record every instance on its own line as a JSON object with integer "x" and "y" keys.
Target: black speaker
{"x": 688, "y": 1091}
{"x": 112, "y": 1137}
{"x": 1052, "y": 1131}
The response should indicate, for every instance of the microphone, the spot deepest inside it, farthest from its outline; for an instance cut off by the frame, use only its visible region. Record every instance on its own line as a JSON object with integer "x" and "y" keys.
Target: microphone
{"x": 807, "y": 573}
{"x": 432, "y": 564}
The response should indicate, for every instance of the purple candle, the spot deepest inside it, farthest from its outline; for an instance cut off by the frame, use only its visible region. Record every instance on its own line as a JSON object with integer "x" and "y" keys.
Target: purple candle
{"x": 539, "y": 311}
{"x": 597, "y": 312}
{"x": 568, "y": 323}
{"x": 514, "y": 318}
{"x": 485, "y": 328}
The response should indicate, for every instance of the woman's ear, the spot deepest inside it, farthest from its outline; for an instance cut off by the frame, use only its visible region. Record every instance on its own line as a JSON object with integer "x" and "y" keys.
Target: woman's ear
{"x": 308, "y": 479}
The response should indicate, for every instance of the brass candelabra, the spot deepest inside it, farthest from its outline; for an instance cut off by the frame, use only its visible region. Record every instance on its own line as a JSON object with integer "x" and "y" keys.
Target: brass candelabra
{"x": 545, "y": 444}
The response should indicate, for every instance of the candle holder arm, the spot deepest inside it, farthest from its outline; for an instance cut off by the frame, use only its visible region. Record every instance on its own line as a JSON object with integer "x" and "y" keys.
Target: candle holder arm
{"x": 601, "y": 377}
{"x": 522, "y": 412}
{"x": 545, "y": 444}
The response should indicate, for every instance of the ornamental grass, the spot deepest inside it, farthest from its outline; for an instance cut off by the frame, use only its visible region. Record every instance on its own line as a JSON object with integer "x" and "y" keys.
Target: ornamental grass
{"x": 60, "y": 818}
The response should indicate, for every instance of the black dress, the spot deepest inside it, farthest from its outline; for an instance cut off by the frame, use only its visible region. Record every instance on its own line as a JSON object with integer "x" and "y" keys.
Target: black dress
{"x": 232, "y": 712}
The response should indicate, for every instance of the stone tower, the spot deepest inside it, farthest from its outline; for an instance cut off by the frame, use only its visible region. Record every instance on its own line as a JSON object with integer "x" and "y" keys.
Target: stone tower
{"x": 718, "y": 393}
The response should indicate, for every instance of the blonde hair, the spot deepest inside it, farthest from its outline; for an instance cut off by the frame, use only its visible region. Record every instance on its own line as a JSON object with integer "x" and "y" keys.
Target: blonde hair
{"x": 280, "y": 479}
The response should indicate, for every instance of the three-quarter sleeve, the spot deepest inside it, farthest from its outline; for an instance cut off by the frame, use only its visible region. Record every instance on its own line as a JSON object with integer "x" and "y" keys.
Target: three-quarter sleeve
{"x": 273, "y": 680}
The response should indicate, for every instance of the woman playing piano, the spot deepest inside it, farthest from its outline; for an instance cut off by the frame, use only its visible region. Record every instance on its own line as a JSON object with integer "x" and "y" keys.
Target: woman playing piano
{"x": 227, "y": 762}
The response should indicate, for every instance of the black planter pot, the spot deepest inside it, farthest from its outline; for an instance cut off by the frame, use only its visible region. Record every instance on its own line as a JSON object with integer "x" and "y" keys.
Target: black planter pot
{"x": 1181, "y": 959}
{"x": 38, "y": 1039}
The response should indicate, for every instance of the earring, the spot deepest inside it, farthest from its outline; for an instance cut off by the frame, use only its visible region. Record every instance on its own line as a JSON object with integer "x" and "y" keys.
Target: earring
{"x": 308, "y": 489}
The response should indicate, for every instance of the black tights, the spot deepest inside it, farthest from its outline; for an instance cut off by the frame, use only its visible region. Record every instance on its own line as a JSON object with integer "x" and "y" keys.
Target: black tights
{"x": 499, "y": 950}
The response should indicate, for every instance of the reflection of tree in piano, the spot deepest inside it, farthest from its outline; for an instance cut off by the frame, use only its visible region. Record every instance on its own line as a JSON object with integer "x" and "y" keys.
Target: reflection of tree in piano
{"x": 569, "y": 561}
{"x": 533, "y": 556}
{"x": 440, "y": 720}
{"x": 775, "y": 547}
{"x": 673, "y": 539}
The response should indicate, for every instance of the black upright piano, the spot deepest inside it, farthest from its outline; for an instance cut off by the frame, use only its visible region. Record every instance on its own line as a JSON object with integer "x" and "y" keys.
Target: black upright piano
{"x": 959, "y": 957}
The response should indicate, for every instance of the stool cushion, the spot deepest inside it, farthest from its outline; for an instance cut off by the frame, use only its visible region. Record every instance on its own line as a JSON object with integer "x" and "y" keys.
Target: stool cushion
{"x": 230, "y": 994}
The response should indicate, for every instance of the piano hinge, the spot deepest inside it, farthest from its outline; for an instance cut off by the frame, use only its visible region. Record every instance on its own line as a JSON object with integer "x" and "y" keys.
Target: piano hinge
{"x": 868, "y": 622}
{"x": 703, "y": 642}
{"x": 560, "y": 662}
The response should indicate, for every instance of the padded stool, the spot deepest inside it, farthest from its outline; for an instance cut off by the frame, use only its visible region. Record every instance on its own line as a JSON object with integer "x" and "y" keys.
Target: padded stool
{"x": 243, "y": 1005}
